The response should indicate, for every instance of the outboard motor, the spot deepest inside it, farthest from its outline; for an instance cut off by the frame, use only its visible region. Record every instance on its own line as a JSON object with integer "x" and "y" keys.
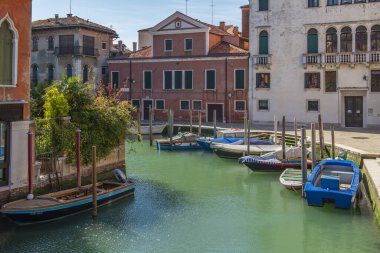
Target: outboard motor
{"x": 120, "y": 176}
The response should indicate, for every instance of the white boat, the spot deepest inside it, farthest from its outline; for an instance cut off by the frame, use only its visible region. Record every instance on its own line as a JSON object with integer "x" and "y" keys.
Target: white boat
{"x": 156, "y": 128}
{"x": 236, "y": 151}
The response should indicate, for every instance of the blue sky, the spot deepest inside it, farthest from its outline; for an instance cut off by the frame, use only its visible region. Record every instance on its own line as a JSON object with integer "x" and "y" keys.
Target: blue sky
{"x": 129, "y": 16}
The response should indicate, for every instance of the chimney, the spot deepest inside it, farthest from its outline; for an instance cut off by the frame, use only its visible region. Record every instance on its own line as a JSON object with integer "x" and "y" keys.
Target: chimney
{"x": 120, "y": 42}
{"x": 69, "y": 15}
{"x": 236, "y": 31}
{"x": 134, "y": 46}
{"x": 222, "y": 25}
{"x": 56, "y": 17}
{"x": 245, "y": 21}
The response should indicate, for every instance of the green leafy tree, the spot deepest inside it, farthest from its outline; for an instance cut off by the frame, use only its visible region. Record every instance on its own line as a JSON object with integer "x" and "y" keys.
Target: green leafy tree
{"x": 56, "y": 105}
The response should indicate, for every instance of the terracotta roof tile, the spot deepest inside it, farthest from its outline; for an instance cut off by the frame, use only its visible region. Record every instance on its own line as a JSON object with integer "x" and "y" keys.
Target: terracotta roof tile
{"x": 227, "y": 48}
{"x": 143, "y": 53}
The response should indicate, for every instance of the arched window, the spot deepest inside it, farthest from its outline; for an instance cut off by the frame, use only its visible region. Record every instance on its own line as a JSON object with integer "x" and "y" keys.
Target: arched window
{"x": 85, "y": 73}
{"x": 6, "y": 49}
{"x": 35, "y": 74}
{"x": 375, "y": 38}
{"x": 346, "y": 40}
{"x": 331, "y": 41}
{"x": 50, "y": 73}
{"x": 69, "y": 70}
{"x": 51, "y": 43}
{"x": 35, "y": 44}
{"x": 263, "y": 43}
{"x": 312, "y": 41}
{"x": 361, "y": 39}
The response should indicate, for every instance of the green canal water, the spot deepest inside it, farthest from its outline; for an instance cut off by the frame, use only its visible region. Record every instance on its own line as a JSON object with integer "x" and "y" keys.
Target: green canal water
{"x": 197, "y": 202}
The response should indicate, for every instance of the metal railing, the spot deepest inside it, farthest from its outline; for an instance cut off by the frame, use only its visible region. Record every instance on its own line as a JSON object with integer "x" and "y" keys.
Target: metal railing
{"x": 88, "y": 51}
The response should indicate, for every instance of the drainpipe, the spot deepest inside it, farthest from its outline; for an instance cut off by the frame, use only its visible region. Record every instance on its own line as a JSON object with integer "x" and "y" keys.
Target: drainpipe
{"x": 130, "y": 80}
{"x": 226, "y": 90}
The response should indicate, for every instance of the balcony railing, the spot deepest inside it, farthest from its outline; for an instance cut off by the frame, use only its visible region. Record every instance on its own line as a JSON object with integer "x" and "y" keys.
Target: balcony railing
{"x": 262, "y": 60}
{"x": 342, "y": 58}
{"x": 87, "y": 51}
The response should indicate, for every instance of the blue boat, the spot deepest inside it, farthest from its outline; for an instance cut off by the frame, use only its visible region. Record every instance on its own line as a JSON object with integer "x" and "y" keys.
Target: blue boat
{"x": 182, "y": 141}
{"x": 335, "y": 180}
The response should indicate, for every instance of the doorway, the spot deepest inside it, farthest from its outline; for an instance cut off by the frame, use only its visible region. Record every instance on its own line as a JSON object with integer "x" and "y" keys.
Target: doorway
{"x": 4, "y": 153}
{"x": 210, "y": 112}
{"x": 353, "y": 106}
{"x": 146, "y": 105}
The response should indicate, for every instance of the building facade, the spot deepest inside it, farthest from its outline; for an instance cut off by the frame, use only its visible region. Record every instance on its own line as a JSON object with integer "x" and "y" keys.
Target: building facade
{"x": 15, "y": 25}
{"x": 71, "y": 46}
{"x": 314, "y": 56}
{"x": 188, "y": 66}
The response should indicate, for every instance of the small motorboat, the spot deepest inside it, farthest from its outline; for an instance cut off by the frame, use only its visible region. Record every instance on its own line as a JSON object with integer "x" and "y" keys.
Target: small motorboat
{"x": 334, "y": 180}
{"x": 61, "y": 204}
{"x": 182, "y": 141}
{"x": 207, "y": 143}
{"x": 292, "y": 178}
{"x": 156, "y": 128}
{"x": 232, "y": 151}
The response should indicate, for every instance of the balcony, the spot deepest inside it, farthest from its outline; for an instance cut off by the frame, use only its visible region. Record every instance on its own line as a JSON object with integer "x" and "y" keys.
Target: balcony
{"x": 342, "y": 58}
{"x": 264, "y": 60}
{"x": 84, "y": 51}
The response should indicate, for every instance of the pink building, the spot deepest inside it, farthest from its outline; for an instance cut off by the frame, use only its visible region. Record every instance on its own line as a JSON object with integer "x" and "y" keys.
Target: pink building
{"x": 188, "y": 66}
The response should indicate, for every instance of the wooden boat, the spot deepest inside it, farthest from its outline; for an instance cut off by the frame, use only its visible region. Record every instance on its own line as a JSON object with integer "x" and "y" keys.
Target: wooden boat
{"x": 156, "y": 128}
{"x": 273, "y": 162}
{"x": 231, "y": 151}
{"x": 292, "y": 178}
{"x": 182, "y": 141}
{"x": 335, "y": 180}
{"x": 61, "y": 204}
{"x": 207, "y": 143}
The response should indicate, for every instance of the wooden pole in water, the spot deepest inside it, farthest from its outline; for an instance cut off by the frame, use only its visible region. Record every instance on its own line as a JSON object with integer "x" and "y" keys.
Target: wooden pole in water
{"x": 139, "y": 125}
{"x": 79, "y": 174}
{"x": 94, "y": 188}
{"x": 200, "y": 123}
{"x": 191, "y": 121}
{"x": 321, "y": 137}
{"x": 313, "y": 146}
{"x": 295, "y": 133}
{"x": 249, "y": 137}
{"x": 171, "y": 127}
{"x": 245, "y": 128}
{"x": 275, "y": 129}
{"x": 214, "y": 115}
{"x": 30, "y": 166}
{"x": 150, "y": 125}
{"x": 332, "y": 142}
{"x": 303, "y": 160}
{"x": 283, "y": 138}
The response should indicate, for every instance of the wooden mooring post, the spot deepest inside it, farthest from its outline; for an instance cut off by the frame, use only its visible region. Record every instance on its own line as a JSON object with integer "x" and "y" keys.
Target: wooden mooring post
{"x": 214, "y": 115}
{"x": 303, "y": 159}
{"x": 275, "y": 129}
{"x": 245, "y": 128}
{"x": 283, "y": 138}
{"x": 191, "y": 121}
{"x": 332, "y": 142}
{"x": 295, "y": 133}
{"x": 313, "y": 146}
{"x": 199, "y": 123}
{"x": 94, "y": 181}
{"x": 150, "y": 125}
{"x": 30, "y": 166}
{"x": 139, "y": 125}
{"x": 321, "y": 137}
{"x": 249, "y": 137}
{"x": 79, "y": 174}
{"x": 171, "y": 128}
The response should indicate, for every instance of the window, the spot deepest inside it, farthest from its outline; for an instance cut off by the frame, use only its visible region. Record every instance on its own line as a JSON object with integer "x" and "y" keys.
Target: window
{"x": 35, "y": 44}
{"x": 147, "y": 80}
{"x": 35, "y": 74}
{"x": 160, "y": 104}
{"x": 346, "y": 40}
{"x": 263, "y": 5}
{"x": 66, "y": 44}
{"x": 88, "y": 45}
{"x": 332, "y": 2}
{"x": 345, "y": 1}
{"x": 360, "y": 1}
{"x": 263, "y": 43}
{"x": 69, "y": 70}
{"x": 361, "y": 39}
{"x": 8, "y": 48}
{"x": 313, "y": 3}
{"x": 85, "y": 73}
{"x": 331, "y": 40}
{"x": 136, "y": 103}
{"x": 330, "y": 81}
{"x": 168, "y": 45}
{"x": 182, "y": 79}
{"x": 104, "y": 70}
{"x": 50, "y": 73}
{"x": 312, "y": 80}
{"x": 184, "y": 105}
{"x": 312, "y": 105}
{"x": 178, "y": 24}
{"x": 51, "y": 43}
{"x": 210, "y": 79}
{"x": 263, "y": 105}
{"x": 104, "y": 45}
{"x": 312, "y": 41}
{"x": 375, "y": 38}
{"x": 188, "y": 44}
{"x": 197, "y": 105}
{"x": 239, "y": 79}
{"x": 240, "y": 106}
{"x": 375, "y": 81}
{"x": 263, "y": 80}
{"x": 115, "y": 79}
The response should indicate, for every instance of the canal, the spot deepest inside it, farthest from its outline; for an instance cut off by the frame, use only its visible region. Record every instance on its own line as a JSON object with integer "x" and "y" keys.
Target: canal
{"x": 197, "y": 202}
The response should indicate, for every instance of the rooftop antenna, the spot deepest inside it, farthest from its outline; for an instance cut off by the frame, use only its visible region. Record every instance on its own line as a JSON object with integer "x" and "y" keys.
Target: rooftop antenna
{"x": 212, "y": 12}
{"x": 186, "y": 5}
{"x": 70, "y": 7}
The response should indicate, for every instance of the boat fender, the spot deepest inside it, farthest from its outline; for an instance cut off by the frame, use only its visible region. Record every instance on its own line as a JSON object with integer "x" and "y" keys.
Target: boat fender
{"x": 120, "y": 176}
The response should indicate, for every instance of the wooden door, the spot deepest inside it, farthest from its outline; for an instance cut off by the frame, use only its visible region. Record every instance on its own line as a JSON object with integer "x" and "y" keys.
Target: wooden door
{"x": 353, "y": 111}
{"x": 219, "y": 112}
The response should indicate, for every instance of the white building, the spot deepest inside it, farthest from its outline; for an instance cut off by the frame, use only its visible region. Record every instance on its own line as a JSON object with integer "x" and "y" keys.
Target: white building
{"x": 316, "y": 56}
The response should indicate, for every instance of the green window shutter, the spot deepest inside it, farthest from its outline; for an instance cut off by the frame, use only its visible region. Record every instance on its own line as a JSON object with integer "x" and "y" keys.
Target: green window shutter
{"x": 306, "y": 80}
{"x": 178, "y": 80}
{"x": 239, "y": 79}
{"x": 147, "y": 80}
{"x": 188, "y": 80}
{"x": 257, "y": 80}
{"x": 318, "y": 80}
{"x": 263, "y": 43}
{"x": 6, "y": 50}
{"x": 210, "y": 82}
{"x": 263, "y": 5}
{"x": 312, "y": 43}
{"x": 168, "y": 80}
